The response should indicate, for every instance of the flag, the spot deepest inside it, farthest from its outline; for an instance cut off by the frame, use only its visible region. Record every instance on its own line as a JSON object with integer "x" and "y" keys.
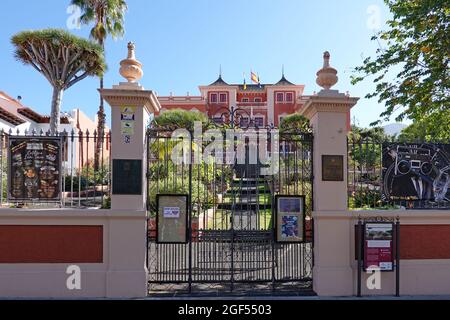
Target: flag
{"x": 255, "y": 78}
{"x": 245, "y": 83}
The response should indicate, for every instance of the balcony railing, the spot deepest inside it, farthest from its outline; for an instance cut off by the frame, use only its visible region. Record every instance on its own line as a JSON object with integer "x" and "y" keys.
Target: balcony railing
{"x": 251, "y": 104}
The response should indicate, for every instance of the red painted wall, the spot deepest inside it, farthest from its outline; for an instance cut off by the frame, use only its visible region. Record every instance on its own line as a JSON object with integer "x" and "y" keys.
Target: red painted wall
{"x": 51, "y": 244}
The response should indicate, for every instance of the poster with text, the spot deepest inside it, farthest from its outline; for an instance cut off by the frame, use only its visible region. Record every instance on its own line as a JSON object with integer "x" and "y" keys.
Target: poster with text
{"x": 34, "y": 169}
{"x": 290, "y": 218}
{"x": 378, "y": 246}
{"x": 172, "y": 218}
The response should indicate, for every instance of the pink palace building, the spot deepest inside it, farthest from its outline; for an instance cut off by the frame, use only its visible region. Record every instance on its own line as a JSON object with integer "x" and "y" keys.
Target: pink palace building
{"x": 266, "y": 104}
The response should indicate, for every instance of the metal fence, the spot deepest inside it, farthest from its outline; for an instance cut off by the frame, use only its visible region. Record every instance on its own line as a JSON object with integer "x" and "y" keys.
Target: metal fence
{"x": 84, "y": 180}
{"x": 397, "y": 175}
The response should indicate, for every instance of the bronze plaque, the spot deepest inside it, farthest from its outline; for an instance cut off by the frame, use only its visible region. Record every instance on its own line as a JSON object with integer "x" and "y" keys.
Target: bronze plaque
{"x": 332, "y": 168}
{"x": 127, "y": 177}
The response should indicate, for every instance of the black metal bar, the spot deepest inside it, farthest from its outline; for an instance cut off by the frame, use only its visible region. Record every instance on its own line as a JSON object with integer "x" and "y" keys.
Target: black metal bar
{"x": 190, "y": 211}
{"x": 397, "y": 258}
{"x": 359, "y": 244}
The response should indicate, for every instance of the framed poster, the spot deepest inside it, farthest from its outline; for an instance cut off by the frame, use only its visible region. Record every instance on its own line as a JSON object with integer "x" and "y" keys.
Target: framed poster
{"x": 172, "y": 218}
{"x": 34, "y": 165}
{"x": 332, "y": 168}
{"x": 378, "y": 246}
{"x": 290, "y": 218}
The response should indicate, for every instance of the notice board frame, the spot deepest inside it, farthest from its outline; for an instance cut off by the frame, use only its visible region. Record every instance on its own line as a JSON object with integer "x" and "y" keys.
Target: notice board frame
{"x": 187, "y": 225}
{"x": 59, "y": 141}
{"x": 392, "y": 244}
{"x": 303, "y": 216}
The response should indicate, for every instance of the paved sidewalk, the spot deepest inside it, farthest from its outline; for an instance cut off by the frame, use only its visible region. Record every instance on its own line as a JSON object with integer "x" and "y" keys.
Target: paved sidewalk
{"x": 307, "y": 298}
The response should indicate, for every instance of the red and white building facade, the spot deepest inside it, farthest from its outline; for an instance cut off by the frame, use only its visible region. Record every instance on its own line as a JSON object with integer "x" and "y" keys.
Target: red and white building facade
{"x": 265, "y": 104}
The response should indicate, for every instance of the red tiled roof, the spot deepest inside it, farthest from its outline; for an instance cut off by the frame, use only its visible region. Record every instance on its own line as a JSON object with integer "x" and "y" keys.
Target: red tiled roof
{"x": 11, "y": 118}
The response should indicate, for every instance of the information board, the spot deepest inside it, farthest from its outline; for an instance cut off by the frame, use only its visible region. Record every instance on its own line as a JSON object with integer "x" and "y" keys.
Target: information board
{"x": 172, "y": 218}
{"x": 290, "y": 218}
{"x": 378, "y": 246}
{"x": 34, "y": 169}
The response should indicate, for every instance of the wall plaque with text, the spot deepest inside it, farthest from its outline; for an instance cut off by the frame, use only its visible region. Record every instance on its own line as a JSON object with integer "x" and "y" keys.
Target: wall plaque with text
{"x": 332, "y": 168}
{"x": 127, "y": 177}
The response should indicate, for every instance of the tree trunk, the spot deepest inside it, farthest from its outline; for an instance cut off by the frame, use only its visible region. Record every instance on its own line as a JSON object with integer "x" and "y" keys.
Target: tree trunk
{"x": 101, "y": 118}
{"x": 100, "y": 130}
{"x": 55, "y": 116}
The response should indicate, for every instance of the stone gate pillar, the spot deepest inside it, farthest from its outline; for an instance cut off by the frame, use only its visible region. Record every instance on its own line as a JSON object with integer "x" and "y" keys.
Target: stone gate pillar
{"x": 131, "y": 107}
{"x": 328, "y": 112}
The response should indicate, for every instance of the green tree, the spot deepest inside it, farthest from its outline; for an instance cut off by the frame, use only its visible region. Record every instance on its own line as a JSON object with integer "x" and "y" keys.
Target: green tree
{"x": 437, "y": 130}
{"x": 107, "y": 17}
{"x": 174, "y": 119}
{"x": 62, "y": 58}
{"x": 365, "y": 147}
{"x": 295, "y": 122}
{"x": 416, "y": 46}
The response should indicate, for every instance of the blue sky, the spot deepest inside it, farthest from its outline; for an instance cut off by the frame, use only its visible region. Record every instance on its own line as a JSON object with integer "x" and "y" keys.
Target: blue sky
{"x": 182, "y": 43}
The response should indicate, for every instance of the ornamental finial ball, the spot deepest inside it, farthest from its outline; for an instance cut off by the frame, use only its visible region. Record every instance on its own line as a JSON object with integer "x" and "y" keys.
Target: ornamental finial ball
{"x": 130, "y": 68}
{"x": 327, "y": 76}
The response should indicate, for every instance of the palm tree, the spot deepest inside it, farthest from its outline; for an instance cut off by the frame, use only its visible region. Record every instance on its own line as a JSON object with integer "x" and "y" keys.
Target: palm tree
{"x": 108, "y": 18}
{"x": 62, "y": 58}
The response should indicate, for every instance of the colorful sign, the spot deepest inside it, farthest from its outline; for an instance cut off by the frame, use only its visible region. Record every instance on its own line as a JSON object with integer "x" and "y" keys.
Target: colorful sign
{"x": 35, "y": 169}
{"x": 127, "y": 118}
{"x": 290, "y": 218}
{"x": 127, "y": 127}
{"x": 172, "y": 218}
{"x": 378, "y": 246}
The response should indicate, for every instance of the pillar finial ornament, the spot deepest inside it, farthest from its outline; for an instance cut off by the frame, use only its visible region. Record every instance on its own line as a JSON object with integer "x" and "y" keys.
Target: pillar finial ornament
{"x": 130, "y": 68}
{"x": 327, "y": 76}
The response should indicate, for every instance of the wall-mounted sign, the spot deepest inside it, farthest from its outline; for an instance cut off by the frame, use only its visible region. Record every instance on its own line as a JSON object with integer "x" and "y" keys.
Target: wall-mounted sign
{"x": 418, "y": 173}
{"x": 127, "y": 177}
{"x": 127, "y": 119}
{"x": 378, "y": 246}
{"x": 172, "y": 218}
{"x": 127, "y": 127}
{"x": 34, "y": 169}
{"x": 332, "y": 168}
{"x": 290, "y": 218}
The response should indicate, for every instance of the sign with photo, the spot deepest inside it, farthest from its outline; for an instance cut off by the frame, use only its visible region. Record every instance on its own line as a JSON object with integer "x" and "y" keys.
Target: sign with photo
{"x": 172, "y": 218}
{"x": 378, "y": 246}
{"x": 290, "y": 218}
{"x": 418, "y": 173}
{"x": 34, "y": 169}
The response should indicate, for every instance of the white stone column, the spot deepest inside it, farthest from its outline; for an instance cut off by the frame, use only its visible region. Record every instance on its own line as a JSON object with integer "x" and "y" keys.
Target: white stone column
{"x": 131, "y": 107}
{"x": 328, "y": 113}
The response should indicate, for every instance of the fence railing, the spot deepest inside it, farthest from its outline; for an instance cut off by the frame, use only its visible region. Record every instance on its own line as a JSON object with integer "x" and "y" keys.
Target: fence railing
{"x": 397, "y": 175}
{"x": 69, "y": 169}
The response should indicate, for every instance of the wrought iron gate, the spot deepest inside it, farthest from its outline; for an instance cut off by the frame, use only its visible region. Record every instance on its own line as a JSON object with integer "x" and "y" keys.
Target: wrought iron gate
{"x": 231, "y": 245}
